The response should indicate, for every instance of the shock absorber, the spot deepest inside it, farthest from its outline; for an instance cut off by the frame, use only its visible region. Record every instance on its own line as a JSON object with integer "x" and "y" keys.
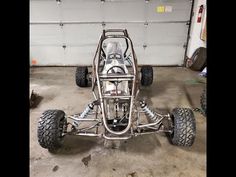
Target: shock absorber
{"x": 85, "y": 113}
{"x": 87, "y": 110}
{"x": 148, "y": 112}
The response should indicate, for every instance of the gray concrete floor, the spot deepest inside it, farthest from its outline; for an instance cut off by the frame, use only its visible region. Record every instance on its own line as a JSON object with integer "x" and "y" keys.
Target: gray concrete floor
{"x": 143, "y": 156}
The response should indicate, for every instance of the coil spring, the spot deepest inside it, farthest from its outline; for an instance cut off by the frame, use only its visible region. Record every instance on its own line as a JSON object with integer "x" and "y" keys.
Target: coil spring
{"x": 87, "y": 110}
{"x": 149, "y": 113}
{"x": 85, "y": 113}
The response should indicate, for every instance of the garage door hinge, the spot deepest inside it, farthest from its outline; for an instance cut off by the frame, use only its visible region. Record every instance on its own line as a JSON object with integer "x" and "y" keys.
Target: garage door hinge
{"x": 188, "y": 23}
{"x": 64, "y": 46}
{"x": 144, "y": 46}
{"x": 103, "y": 24}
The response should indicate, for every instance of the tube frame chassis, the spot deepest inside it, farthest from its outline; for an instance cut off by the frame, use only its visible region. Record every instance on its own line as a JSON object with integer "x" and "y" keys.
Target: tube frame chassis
{"x": 137, "y": 107}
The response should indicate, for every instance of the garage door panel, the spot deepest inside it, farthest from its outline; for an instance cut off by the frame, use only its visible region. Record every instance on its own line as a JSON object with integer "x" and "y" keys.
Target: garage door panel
{"x": 47, "y": 55}
{"x": 51, "y": 55}
{"x": 165, "y": 55}
{"x": 165, "y": 34}
{"x": 86, "y": 34}
{"x": 95, "y": 11}
{"x": 180, "y": 10}
{"x": 124, "y": 11}
{"x": 82, "y": 10}
{"x": 158, "y": 43}
{"x": 44, "y": 11}
{"x": 80, "y": 55}
{"x": 45, "y": 35}
{"x": 161, "y": 55}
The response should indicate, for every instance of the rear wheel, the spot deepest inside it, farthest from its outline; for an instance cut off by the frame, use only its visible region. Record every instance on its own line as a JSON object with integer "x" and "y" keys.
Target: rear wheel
{"x": 50, "y": 129}
{"x": 184, "y": 128}
{"x": 146, "y": 75}
{"x": 81, "y": 76}
{"x": 198, "y": 60}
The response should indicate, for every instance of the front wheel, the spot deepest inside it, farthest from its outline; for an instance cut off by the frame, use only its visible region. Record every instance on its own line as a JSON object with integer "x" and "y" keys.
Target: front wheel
{"x": 184, "y": 127}
{"x": 50, "y": 129}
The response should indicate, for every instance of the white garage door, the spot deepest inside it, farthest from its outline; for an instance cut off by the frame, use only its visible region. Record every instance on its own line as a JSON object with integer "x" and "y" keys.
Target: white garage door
{"x": 68, "y": 33}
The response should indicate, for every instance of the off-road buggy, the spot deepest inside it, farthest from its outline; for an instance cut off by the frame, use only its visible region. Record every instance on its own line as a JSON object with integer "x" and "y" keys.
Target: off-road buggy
{"x": 117, "y": 111}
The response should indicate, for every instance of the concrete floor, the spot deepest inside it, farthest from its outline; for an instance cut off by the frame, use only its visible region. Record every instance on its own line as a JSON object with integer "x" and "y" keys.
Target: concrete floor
{"x": 143, "y": 156}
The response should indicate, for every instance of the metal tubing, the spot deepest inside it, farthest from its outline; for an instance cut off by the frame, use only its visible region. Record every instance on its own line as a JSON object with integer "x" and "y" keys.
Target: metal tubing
{"x": 89, "y": 134}
{"x": 94, "y": 66}
{"x": 79, "y": 119}
{"x": 122, "y": 96}
{"x": 88, "y": 128}
{"x": 115, "y": 79}
{"x": 116, "y": 76}
{"x": 146, "y": 133}
{"x": 116, "y": 138}
{"x": 116, "y": 36}
{"x": 104, "y": 37}
{"x": 95, "y": 96}
{"x": 114, "y": 31}
{"x": 151, "y": 124}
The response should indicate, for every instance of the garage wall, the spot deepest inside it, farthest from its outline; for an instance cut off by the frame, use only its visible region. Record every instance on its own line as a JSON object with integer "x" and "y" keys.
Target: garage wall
{"x": 68, "y": 33}
{"x": 195, "y": 32}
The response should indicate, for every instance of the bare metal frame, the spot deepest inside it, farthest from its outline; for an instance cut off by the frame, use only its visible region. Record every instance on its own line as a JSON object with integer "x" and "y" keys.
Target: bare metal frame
{"x": 129, "y": 131}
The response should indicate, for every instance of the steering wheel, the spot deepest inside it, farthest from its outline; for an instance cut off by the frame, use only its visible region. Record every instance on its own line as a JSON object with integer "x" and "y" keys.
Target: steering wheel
{"x": 113, "y": 71}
